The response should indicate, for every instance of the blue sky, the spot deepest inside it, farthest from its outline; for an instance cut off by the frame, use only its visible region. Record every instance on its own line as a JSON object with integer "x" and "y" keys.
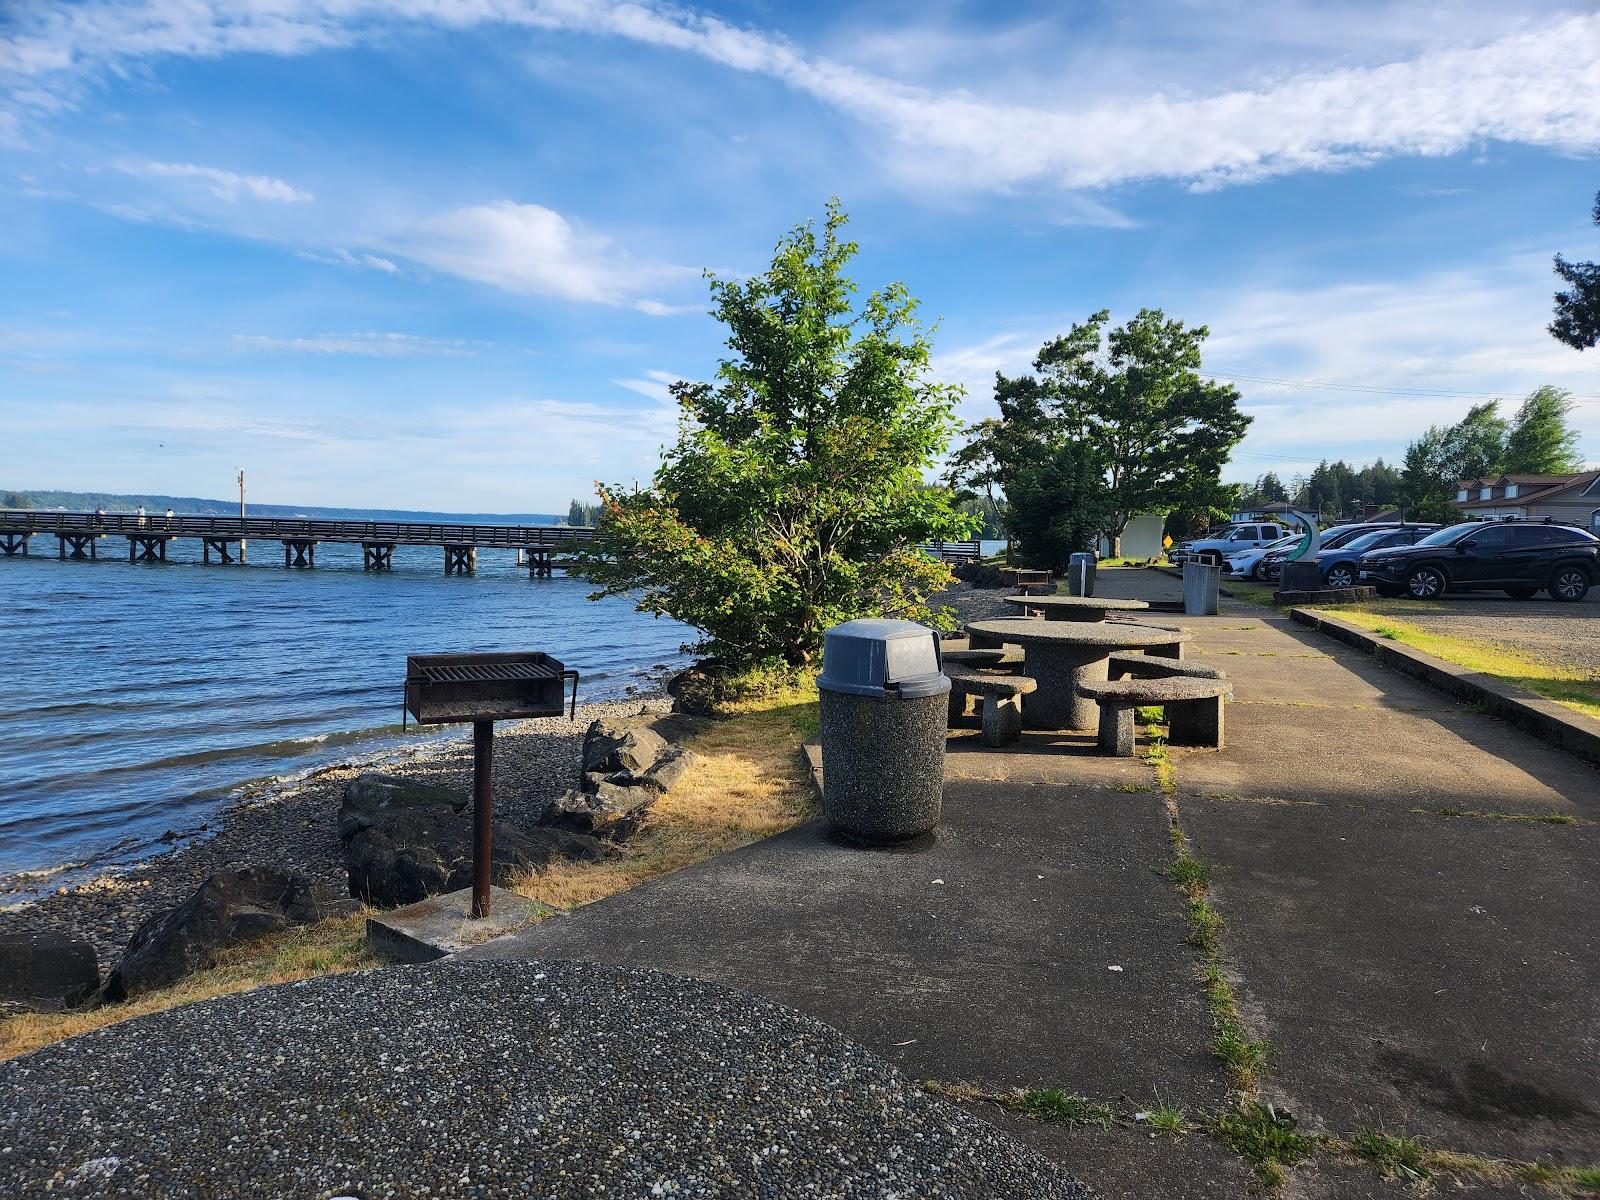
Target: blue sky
{"x": 446, "y": 254}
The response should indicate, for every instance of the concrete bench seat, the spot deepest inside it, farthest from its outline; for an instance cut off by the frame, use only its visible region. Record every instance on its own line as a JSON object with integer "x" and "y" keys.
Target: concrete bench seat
{"x": 1154, "y": 666}
{"x": 1002, "y": 701}
{"x": 996, "y": 658}
{"x": 1193, "y": 709}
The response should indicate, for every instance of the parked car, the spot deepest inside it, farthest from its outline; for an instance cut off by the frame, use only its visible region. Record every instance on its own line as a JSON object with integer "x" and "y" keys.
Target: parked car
{"x": 1518, "y": 557}
{"x": 1338, "y": 565}
{"x": 1332, "y": 538}
{"x": 1246, "y": 564}
{"x": 1233, "y": 539}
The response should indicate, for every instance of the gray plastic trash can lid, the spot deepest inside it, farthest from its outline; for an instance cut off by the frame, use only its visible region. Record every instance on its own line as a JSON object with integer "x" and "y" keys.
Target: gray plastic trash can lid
{"x": 875, "y": 657}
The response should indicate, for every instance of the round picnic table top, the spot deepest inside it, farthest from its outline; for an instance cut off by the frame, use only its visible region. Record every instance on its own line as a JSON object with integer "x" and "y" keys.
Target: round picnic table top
{"x": 1075, "y": 608}
{"x": 1122, "y": 635}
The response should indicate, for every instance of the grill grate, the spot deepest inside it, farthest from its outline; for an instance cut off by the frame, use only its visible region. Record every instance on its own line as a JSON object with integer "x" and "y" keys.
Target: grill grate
{"x": 486, "y": 672}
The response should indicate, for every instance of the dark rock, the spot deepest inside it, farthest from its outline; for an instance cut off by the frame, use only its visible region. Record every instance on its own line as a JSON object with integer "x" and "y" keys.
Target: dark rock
{"x": 666, "y": 772}
{"x": 425, "y": 850}
{"x": 230, "y": 906}
{"x": 609, "y": 811}
{"x": 694, "y": 691}
{"x": 46, "y": 971}
{"x": 621, "y": 744}
{"x": 373, "y": 798}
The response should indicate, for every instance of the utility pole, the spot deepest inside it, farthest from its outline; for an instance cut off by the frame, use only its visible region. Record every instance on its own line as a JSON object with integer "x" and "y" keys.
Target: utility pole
{"x": 242, "y": 542}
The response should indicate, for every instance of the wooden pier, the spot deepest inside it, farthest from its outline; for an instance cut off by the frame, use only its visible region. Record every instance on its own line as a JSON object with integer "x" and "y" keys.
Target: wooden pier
{"x": 540, "y": 548}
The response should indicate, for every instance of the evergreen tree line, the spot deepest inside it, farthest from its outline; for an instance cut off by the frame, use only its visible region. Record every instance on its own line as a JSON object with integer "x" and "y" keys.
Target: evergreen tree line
{"x": 1538, "y": 440}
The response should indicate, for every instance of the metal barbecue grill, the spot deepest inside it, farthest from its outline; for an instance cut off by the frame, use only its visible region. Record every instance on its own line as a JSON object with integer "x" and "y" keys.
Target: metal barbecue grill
{"x": 450, "y": 689}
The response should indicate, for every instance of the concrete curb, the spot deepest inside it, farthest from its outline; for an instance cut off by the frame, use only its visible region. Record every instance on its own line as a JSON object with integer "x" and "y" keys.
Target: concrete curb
{"x": 1545, "y": 719}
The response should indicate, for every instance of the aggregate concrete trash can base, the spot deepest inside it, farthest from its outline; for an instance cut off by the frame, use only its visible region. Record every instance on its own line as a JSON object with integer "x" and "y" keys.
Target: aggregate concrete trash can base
{"x": 884, "y": 701}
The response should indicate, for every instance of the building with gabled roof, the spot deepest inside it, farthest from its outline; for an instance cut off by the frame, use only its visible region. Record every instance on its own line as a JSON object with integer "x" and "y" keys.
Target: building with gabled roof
{"x": 1574, "y": 499}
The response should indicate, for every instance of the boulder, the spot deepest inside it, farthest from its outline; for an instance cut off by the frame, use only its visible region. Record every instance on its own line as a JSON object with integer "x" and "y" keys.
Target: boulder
{"x": 46, "y": 972}
{"x": 621, "y": 744}
{"x": 609, "y": 811}
{"x": 230, "y": 906}
{"x": 424, "y": 850}
{"x": 664, "y": 774}
{"x": 374, "y": 797}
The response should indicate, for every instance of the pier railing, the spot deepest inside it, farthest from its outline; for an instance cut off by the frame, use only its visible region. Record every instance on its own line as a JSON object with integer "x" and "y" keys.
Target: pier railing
{"x": 296, "y": 529}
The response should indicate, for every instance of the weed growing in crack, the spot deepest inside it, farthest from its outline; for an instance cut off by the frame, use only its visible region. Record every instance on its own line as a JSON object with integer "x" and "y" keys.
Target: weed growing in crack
{"x": 1264, "y": 1135}
{"x": 1396, "y": 1157}
{"x": 1067, "y": 1108}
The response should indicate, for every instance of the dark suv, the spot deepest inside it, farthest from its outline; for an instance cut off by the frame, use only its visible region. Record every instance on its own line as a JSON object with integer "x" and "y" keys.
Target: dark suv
{"x": 1517, "y": 557}
{"x": 1335, "y": 537}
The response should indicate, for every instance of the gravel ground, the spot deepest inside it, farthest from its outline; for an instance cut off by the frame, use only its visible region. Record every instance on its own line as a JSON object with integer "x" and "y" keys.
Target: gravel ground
{"x": 1560, "y": 634}
{"x": 975, "y": 604}
{"x": 527, "y": 1078}
{"x": 294, "y": 825}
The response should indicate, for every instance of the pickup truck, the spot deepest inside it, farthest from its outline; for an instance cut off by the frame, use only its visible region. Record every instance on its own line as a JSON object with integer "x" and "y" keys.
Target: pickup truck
{"x": 1229, "y": 541}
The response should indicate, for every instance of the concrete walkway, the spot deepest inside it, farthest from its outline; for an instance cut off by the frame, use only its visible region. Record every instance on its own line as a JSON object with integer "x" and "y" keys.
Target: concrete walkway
{"x": 1428, "y": 974}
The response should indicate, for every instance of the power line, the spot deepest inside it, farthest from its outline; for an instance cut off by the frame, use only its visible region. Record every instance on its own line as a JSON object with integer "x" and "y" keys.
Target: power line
{"x": 1373, "y": 389}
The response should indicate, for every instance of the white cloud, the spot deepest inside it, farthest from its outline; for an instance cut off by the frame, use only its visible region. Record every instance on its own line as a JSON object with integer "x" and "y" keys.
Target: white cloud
{"x": 225, "y": 185}
{"x": 1538, "y": 85}
{"x": 344, "y": 258}
{"x": 1400, "y": 355}
{"x": 533, "y": 250}
{"x": 655, "y": 384}
{"x": 362, "y": 345}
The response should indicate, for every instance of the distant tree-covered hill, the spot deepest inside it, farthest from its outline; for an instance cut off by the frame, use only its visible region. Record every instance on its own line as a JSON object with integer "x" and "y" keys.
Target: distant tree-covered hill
{"x": 193, "y": 505}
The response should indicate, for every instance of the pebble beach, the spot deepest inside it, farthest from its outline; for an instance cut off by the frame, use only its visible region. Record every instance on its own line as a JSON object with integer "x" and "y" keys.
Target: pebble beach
{"x": 294, "y": 824}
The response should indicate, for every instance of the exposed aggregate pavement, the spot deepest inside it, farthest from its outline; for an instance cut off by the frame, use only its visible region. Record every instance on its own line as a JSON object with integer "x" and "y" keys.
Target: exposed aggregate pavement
{"x": 518, "y": 1078}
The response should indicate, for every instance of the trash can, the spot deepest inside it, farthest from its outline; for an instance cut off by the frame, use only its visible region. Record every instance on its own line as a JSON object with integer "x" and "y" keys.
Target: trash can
{"x": 1080, "y": 574}
{"x": 883, "y": 696}
{"x": 1200, "y": 583}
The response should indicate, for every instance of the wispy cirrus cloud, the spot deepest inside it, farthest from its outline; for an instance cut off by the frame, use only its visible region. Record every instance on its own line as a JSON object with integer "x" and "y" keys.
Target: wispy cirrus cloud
{"x": 224, "y": 185}
{"x": 1538, "y": 85}
{"x": 360, "y": 345}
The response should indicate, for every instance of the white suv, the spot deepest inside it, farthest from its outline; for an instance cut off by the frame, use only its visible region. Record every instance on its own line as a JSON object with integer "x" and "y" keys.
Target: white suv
{"x": 1232, "y": 540}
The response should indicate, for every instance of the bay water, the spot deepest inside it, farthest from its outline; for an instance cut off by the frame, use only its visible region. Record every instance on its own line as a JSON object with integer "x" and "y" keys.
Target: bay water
{"x": 136, "y": 698}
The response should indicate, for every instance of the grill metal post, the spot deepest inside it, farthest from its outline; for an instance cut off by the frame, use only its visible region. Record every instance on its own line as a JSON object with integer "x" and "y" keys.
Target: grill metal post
{"x": 482, "y": 814}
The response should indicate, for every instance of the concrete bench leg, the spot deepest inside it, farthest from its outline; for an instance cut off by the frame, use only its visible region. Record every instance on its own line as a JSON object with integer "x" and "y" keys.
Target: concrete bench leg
{"x": 1116, "y": 730}
{"x": 1171, "y": 650}
{"x": 1195, "y": 722}
{"x": 1002, "y": 720}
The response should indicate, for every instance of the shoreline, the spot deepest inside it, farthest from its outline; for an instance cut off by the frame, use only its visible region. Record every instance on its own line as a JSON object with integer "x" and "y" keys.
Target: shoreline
{"x": 293, "y": 823}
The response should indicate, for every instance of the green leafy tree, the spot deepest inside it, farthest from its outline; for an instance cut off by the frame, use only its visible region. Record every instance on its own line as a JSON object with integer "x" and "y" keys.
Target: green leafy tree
{"x": 1541, "y": 442}
{"x": 1059, "y": 506}
{"x": 794, "y": 497}
{"x": 1577, "y": 320}
{"x": 1134, "y": 399}
{"x": 1271, "y": 490}
{"x": 1443, "y": 456}
{"x": 14, "y": 500}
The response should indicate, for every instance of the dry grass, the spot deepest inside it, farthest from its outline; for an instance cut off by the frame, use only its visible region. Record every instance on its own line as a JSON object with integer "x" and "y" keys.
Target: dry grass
{"x": 751, "y": 782}
{"x": 328, "y": 948}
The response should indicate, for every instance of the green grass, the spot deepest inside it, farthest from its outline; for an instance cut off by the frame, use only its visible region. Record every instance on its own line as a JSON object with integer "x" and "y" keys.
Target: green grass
{"x": 1264, "y": 1135}
{"x": 1187, "y": 872}
{"x": 1396, "y": 1157}
{"x": 1167, "y": 1118}
{"x": 1565, "y": 683}
{"x": 1587, "y": 1178}
{"x": 1066, "y": 1108}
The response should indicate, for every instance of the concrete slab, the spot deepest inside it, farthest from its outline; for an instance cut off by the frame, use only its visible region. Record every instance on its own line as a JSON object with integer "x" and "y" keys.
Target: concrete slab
{"x": 442, "y": 925}
{"x": 1415, "y": 973}
{"x": 985, "y": 958}
{"x": 1120, "y": 1163}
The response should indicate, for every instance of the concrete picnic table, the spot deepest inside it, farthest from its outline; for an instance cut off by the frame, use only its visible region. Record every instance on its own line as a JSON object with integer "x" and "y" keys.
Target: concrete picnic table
{"x": 1061, "y": 654}
{"x": 1074, "y": 608}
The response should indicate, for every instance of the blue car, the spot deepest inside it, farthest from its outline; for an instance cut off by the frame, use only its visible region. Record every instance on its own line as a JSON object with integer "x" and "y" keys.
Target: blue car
{"x": 1338, "y": 566}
